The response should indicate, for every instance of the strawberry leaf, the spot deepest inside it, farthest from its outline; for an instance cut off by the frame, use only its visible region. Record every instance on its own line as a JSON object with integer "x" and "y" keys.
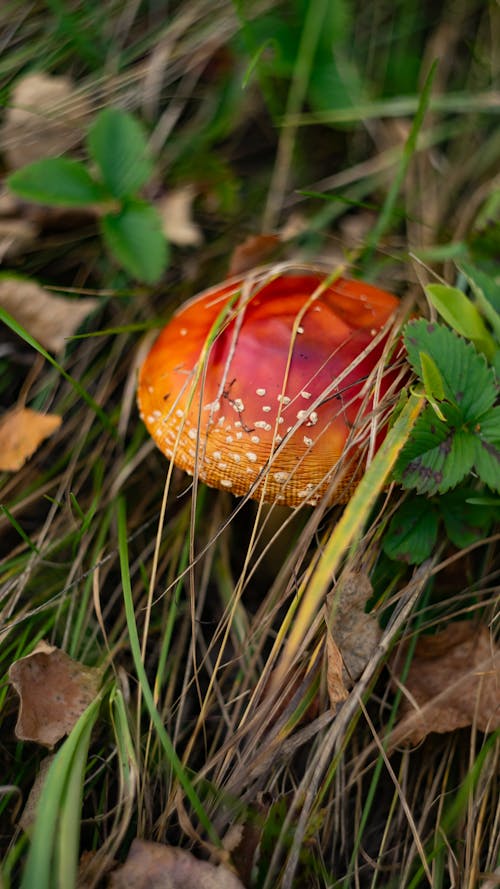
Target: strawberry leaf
{"x": 467, "y": 380}
{"x": 412, "y": 532}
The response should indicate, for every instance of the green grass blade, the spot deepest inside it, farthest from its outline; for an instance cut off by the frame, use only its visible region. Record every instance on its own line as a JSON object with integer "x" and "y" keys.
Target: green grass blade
{"x": 62, "y": 790}
{"x": 347, "y": 531}
{"x": 386, "y": 215}
{"x": 20, "y": 331}
{"x": 156, "y": 719}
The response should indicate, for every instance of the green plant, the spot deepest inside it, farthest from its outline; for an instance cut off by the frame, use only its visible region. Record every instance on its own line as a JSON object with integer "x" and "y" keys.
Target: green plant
{"x": 120, "y": 165}
{"x": 452, "y": 459}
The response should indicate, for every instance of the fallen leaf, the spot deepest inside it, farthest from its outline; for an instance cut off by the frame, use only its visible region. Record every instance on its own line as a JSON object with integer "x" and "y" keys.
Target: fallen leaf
{"x": 49, "y": 319}
{"x": 155, "y": 866}
{"x": 356, "y": 632}
{"x": 175, "y": 210}
{"x": 21, "y": 433}
{"x": 54, "y": 691}
{"x": 15, "y": 235}
{"x": 45, "y": 118}
{"x": 337, "y": 691}
{"x": 453, "y": 681}
{"x": 256, "y": 250}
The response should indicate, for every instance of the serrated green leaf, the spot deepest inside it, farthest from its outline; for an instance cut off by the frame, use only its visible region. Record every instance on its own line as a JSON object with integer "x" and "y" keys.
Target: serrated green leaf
{"x": 57, "y": 181}
{"x": 117, "y": 143}
{"x": 487, "y": 456}
{"x": 420, "y": 464}
{"x": 461, "y": 314}
{"x": 464, "y": 521}
{"x": 460, "y": 459}
{"x": 438, "y": 455}
{"x": 467, "y": 380}
{"x": 412, "y": 532}
{"x": 135, "y": 237}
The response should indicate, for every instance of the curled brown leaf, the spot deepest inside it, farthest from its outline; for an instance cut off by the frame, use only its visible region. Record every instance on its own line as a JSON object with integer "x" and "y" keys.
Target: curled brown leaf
{"x": 54, "y": 691}
{"x": 453, "y": 681}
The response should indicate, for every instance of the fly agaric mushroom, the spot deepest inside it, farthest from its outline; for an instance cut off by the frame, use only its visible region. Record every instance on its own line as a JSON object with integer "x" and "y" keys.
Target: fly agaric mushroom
{"x": 257, "y": 383}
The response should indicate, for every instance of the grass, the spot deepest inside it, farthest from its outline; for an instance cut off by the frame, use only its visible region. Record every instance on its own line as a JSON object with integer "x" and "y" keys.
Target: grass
{"x": 215, "y": 711}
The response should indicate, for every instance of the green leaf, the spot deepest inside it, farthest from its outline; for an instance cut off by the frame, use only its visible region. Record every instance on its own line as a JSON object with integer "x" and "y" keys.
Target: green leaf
{"x": 412, "y": 532}
{"x": 55, "y": 841}
{"x": 461, "y": 314}
{"x": 487, "y": 293}
{"x": 437, "y": 457}
{"x": 57, "y": 181}
{"x": 134, "y": 236}
{"x": 467, "y": 380}
{"x": 465, "y": 522}
{"x": 487, "y": 457}
{"x": 117, "y": 143}
{"x": 431, "y": 378}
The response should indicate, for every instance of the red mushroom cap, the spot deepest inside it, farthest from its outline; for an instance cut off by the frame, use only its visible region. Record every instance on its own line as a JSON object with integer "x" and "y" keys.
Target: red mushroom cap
{"x": 253, "y": 380}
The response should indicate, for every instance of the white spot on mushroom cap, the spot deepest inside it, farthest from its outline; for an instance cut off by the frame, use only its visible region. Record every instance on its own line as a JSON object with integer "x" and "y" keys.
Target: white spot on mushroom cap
{"x": 192, "y": 434}
{"x": 217, "y": 455}
{"x": 238, "y": 405}
{"x": 251, "y": 456}
{"x": 226, "y": 482}
{"x": 179, "y": 413}
{"x": 261, "y": 424}
{"x": 280, "y": 476}
{"x": 266, "y": 408}
{"x": 183, "y": 331}
{"x": 255, "y": 439}
{"x": 260, "y": 392}
{"x": 300, "y": 330}
{"x": 236, "y": 458}
{"x": 313, "y": 419}
{"x": 308, "y": 441}
{"x": 305, "y": 394}
{"x": 283, "y": 399}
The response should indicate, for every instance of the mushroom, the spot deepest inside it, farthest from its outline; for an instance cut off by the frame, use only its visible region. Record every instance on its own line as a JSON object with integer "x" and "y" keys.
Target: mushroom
{"x": 256, "y": 384}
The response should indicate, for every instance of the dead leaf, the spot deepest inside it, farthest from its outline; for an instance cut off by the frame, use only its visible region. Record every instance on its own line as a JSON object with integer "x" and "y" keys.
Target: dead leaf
{"x": 49, "y": 319}
{"x": 337, "y": 691}
{"x": 155, "y": 866}
{"x": 21, "y": 433}
{"x": 45, "y": 118}
{"x": 356, "y": 633}
{"x": 175, "y": 210}
{"x": 454, "y": 681}
{"x": 256, "y": 250}
{"x": 15, "y": 235}
{"x": 54, "y": 691}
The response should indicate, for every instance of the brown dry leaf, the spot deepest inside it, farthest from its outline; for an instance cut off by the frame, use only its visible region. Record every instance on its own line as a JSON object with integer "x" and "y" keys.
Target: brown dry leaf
{"x": 54, "y": 691}
{"x": 337, "y": 691}
{"x": 15, "y": 235}
{"x": 155, "y": 866}
{"x": 175, "y": 210}
{"x": 454, "y": 681}
{"x": 256, "y": 250}
{"x": 45, "y": 118}
{"x": 356, "y": 633}
{"x": 49, "y": 319}
{"x": 21, "y": 433}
